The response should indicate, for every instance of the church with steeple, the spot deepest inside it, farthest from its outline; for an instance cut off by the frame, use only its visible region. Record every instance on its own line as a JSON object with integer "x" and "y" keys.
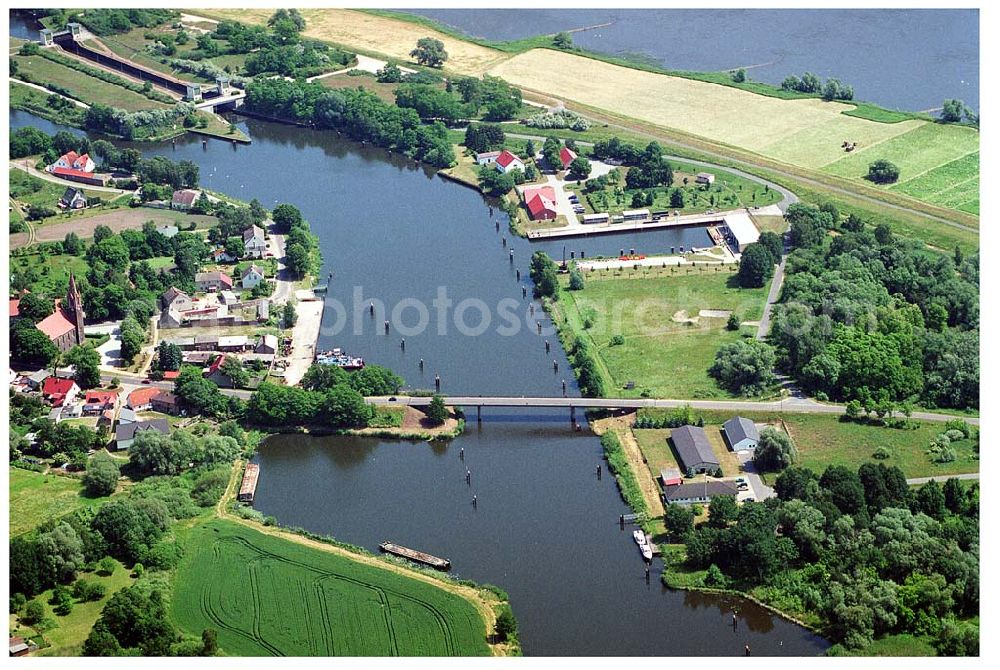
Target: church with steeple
{"x": 65, "y": 325}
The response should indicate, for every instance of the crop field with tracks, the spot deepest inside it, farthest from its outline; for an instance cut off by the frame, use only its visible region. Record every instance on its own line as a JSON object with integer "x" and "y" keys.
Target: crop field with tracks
{"x": 244, "y": 583}
{"x": 953, "y": 185}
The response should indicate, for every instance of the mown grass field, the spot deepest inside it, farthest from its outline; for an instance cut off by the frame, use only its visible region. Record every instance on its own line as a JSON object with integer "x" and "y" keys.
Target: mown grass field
{"x": 955, "y": 184}
{"x": 375, "y": 34}
{"x": 661, "y": 353}
{"x": 312, "y": 603}
{"x": 823, "y": 440}
{"x": 50, "y": 273}
{"x": 36, "y": 498}
{"x": 31, "y": 190}
{"x": 83, "y": 86}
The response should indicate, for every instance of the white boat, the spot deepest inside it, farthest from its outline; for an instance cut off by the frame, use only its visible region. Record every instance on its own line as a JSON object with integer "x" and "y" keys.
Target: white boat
{"x": 647, "y": 552}
{"x": 640, "y": 537}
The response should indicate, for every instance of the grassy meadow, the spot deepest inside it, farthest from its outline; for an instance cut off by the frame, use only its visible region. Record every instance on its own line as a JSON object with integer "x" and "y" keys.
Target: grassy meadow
{"x": 668, "y": 346}
{"x": 36, "y": 498}
{"x": 312, "y": 603}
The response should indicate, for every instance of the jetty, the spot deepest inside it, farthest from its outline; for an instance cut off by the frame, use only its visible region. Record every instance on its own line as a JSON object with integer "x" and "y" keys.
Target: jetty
{"x": 415, "y": 556}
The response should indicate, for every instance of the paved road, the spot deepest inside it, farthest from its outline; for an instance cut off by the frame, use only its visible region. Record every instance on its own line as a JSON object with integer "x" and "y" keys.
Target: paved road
{"x": 917, "y": 481}
{"x": 793, "y": 405}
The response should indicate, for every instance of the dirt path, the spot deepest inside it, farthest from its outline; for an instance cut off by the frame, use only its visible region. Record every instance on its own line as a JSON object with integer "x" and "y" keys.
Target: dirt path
{"x": 622, "y": 425}
{"x": 483, "y": 601}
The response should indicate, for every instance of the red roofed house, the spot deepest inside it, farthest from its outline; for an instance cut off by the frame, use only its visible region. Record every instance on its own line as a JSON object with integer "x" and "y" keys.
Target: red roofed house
{"x": 15, "y": 308}
{"x": 507, "y": 161}
{"x": 65, "y": 325}
{"x": 566, "y": 155}
{"x": 170, "y": 375}
{"x": 184, "y": 199}
{"x": 74, "y": 161}
{"x": 58, "y": 391}
{"x": 96, "y": 402}
{"x": 213, "y": 281}
{"x": 142, "y": 399}
{"x": 541, "y": 202}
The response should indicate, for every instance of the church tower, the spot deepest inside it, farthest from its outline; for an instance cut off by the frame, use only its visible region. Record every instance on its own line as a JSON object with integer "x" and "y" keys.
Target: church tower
{"x": 73, "y": 307}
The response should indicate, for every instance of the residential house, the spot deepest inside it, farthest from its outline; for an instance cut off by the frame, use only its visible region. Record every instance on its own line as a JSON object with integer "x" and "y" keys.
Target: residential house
{"x": 268, "y": 345}
{"x": 694, "y": 449}
{"x": 254, "y": 243}
{"x": 507, "y": 162}
{"x": 566, "y": 156}
{"x": 213, "y": 281}
{"x": 214, "y": 372}
{"x": 74, "y": 161}
{"x": 541, "y": 202}
{"x": 706, "y": 178}
{"x": 220, "y": 255}
{"x": 252, "y": 276}
{"x": 127, "y": 415}
{"x": 166, "y": 402}
{"x": 141, "y": 399}
{"x": 184, "y": 199}
{"x": 73, "y": 198}
{"x": 741, "y": 433}
{"x": 175, "y": 299}
{"x": 200, "y": 358}
{"x": 21, "y": 647}
{"x": 36, "y": 379}
{"x": 171, "y": 375}
{"x": 487, "y": 157}
{"x": 697, "y": 492}
{"x": 15, "y": 310}
{"x": 98, "y": 402}
{"x": 58, "y": 391}
{"x": 125, "y": 433}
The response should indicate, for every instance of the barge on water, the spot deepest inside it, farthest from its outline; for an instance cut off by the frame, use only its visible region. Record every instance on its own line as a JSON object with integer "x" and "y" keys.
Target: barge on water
{"x": 339, "y": 358}
{"x": 415, "y": 556}
{"x": 249, "y": 485}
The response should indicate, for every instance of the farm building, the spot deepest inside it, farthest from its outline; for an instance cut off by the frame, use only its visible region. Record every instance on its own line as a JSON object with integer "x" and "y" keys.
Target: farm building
{"x": 671, "y": 477}
{"x": 249, "y": 484}
{"x": 127, "y": 415}
{"x": 740, "y": 433}
{"x": 700, "y": 493}
{"x": 125, "y": 434}
{"x": 213, "y": 281}
{"x": 541, "y": 202}
{"x": 704, "y": 178}
{"x": 742, "y": 228}
{"x": 507, "y": 162}
{"x": 487, "y": 157}
{"x": 694, "y": 449}
{"x": 184, "y": 199}
{"x": 268, "y": 345}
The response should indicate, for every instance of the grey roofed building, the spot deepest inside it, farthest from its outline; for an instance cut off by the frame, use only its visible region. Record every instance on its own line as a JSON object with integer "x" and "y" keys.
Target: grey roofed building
{"x": 126, "y": 416}
{"x": 697, "y": 492}
{"x": 741, "y": 433}
{"x": 125, "y": 434}
{"x": 694, "y": 449}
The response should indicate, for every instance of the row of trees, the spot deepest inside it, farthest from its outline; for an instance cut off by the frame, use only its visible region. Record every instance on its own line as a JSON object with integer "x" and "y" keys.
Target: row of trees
{"x": 358, "y": 113}
{"x": 870, "y": 316}
{"x": 833, "y": 89}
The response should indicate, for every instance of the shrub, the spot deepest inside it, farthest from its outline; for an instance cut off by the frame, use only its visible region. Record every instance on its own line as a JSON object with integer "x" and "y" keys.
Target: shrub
{"x": 882, "y": 453}
{"x": 954, "y": 435}
{"x": 617, "y": 340}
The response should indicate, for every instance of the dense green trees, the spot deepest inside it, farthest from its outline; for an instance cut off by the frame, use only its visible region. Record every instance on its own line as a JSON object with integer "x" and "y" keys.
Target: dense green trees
{"x": 429, "y": 52}
{"x": 774, "y": 451}
{"x": 579, "y": 168}
{"x": 30, "y": 345}
{"x": 437, "y": 413}
{"x": 756, "y": 266}
{"x": 953, "y": 110}
{"x": 86, "y": 364}
{"x": 882, "y": 171}
{"x": 431, "y": 102}
{"x": 101, "y": 478}
{"x": 134, "y": 622}
{"x": 481, "y": 137}
{"x": 35, "y": 306}
{"x": 745, "y": 367}
{"x": 544, "y": 274}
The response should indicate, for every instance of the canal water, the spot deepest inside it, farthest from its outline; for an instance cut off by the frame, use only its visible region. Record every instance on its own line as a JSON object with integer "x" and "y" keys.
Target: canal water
{"x": 545, "y": 527}
{"x": 909, "y": 59}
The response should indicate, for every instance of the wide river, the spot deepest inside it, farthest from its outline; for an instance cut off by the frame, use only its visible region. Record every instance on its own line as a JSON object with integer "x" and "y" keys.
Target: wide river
{"x": 545, "y": 528}
{"x": 909, "y": 59}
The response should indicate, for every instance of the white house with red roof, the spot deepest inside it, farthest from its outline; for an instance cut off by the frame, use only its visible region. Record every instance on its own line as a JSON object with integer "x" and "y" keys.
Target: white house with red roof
{"x": 541, "y": 202}
{"x": 184, "y": 199}
{"x": 566, "y": 156}
{"x": 58, "y": 391}
{"x": 507, "y": 161}
{"x": 74, "y": 161}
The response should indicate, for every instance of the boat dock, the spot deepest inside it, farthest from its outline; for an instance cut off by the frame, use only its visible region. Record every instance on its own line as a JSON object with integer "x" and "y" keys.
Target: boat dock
{"x": 416, "y": 556}
{"x": 249, "y": 485}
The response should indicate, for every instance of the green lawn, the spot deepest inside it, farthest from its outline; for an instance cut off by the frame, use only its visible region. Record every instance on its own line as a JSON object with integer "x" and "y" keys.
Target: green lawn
{"x": 662, "y": 353}
{"x": 36, "y": 498}
{"x": 312, "y": 603}
{"x": 955, "y": 185}
{"x": 132, "y": 45}
{"x": 49, "y": 274}
{"x": 83, "y": 86}
{"x": 67, "y": 636}
{"x": 31, "y": 190}
{"x": 35, "y": 101}
{"x": 823, "y": 440}
{"x": 899, "y": 645}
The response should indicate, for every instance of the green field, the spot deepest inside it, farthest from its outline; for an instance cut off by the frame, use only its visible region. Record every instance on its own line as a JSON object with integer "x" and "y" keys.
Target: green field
{"x": 31, "y": 190}
{"x": 49, "y": 274}
{"x": 32, "y": 100}
{"x": 955, "y": 184}
{"x": 36, "y": 498}
{"x": 823, "y": 440}
{"x": 312, "y": 603}
{"x": 667, "y": 356}
{"x": 83, "y": 86}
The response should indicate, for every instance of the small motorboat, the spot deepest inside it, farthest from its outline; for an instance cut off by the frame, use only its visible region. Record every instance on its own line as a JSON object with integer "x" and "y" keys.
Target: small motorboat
{"x": 640, "y": 537}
